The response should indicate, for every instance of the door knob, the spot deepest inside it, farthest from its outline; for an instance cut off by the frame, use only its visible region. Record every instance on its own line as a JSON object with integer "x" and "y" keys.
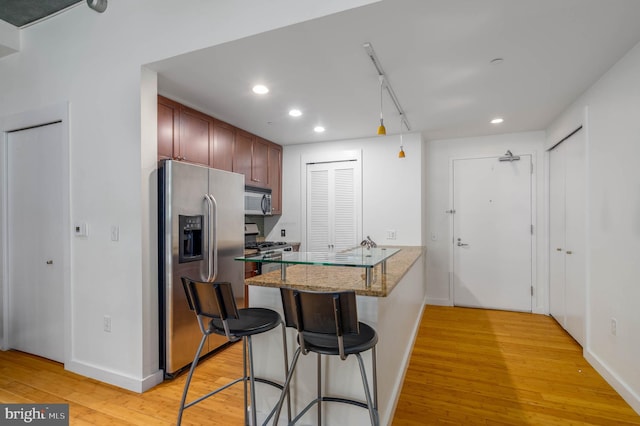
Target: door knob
{"x": 461, "y": 244}
{"x": 569, "y": 252}
{"x": 558, "y": 249}
{"x": 49, "y": 262}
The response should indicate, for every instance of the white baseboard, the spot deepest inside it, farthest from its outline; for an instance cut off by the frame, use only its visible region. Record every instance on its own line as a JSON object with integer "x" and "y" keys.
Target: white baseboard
{"x": 628, "y": 394}
{"x": 117, "y": 379}
{"x": 439, "y": 302}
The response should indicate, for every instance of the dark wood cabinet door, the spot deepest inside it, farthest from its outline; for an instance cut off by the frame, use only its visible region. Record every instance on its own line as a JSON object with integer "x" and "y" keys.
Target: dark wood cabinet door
{"x": 259, "y": 162}
{"x": 195, "y": 136}
{"x": 223, "y": 140}
{"x": 168, "y": 128}
{"x": 275, "y": 177}
{"x": 242, "y": 154}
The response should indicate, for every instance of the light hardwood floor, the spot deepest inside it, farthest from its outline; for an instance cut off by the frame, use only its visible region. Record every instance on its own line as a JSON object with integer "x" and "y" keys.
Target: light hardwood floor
{"x": 473, "y": 366}
{"x": 468, "y": 367}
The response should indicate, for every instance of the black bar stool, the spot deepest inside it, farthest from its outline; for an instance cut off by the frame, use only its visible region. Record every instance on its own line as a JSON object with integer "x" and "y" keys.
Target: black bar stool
{"x": 327, "y": 324}
{"x": 217, "y": 313}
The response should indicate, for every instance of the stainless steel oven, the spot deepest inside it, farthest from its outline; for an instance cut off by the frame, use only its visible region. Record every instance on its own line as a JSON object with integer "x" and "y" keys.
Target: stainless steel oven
{"x": 264, "y": 247}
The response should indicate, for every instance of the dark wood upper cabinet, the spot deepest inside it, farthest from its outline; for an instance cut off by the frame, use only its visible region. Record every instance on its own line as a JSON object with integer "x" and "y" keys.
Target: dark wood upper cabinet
{"x": 188, "y": 135}
{"x": 168, "y": 128}
{"x": 222, "y": 151}
{"x": 242, "y": 154}
{"x": 275, "y": 177}
{"x": 259, "y": 162}
{"x": 196, "y": 135}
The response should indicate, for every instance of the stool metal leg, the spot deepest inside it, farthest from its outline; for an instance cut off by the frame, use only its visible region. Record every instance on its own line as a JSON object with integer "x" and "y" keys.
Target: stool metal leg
{"x": 244, "y": 378}
{"x": 286, "y": 373}
{"x": 367, "y": 393}
{"x": 254, "y": 420}
{"x": 285, "y": 389}
{"x": 319, "y": 385}
{"x": 188, "y": 382}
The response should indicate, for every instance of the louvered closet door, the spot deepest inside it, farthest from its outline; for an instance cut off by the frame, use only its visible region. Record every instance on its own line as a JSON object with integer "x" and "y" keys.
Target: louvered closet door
{"x": 332, "y": 223}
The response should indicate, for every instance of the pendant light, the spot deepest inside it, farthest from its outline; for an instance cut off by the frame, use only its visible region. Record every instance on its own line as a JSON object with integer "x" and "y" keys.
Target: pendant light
{"x": 381, "y": 129}
{"x": 401, "y": 153}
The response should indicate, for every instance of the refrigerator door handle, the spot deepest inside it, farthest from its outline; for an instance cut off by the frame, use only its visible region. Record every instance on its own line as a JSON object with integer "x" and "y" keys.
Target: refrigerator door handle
{"x": 213, "y": 237}
{"x": 208, "y": 235}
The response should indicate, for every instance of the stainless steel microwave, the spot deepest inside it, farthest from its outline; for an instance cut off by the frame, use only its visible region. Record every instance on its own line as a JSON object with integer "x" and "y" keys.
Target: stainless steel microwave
{"x": 257, "y": 201}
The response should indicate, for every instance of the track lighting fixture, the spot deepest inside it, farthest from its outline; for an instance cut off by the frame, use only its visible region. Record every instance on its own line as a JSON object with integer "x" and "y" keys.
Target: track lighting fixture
{"x": 384, "y": 84}
{"x": 401, "y": 153}
{"x": 381, "y": 128}
{"x": 97, "y": 5}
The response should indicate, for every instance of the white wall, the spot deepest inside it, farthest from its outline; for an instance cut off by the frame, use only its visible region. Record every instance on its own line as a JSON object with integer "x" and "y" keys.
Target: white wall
{"x": 392, "y": 188}
{"x": 439, "y": 154}
{"x": 613, "y": 221}
{"x": 93, "y": 61}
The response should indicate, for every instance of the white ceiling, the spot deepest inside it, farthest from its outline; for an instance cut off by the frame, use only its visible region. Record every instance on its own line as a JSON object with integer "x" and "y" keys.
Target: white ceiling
{"x": 436, "y": 55}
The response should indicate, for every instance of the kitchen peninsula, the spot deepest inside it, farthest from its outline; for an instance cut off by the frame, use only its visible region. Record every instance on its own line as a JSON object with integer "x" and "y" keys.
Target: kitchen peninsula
{"x": 392, "y": 303}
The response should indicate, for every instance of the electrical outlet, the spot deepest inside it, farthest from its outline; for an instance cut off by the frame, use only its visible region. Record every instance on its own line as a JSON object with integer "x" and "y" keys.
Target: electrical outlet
{"x": 106, "y": 323}
{"x": 391, "y": 234}
{"x": 614, "y": 326}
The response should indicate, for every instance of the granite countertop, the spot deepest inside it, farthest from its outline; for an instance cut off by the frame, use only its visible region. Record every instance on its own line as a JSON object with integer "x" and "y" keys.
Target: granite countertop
{"x": 337, "y": 278}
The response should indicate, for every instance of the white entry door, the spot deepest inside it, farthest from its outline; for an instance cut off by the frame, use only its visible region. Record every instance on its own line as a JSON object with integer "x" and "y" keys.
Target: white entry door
{"x": 492, "y": 233}
{"x": 35, "y": 241}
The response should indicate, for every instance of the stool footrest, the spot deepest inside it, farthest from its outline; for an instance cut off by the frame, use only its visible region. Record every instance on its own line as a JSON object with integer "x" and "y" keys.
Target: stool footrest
{"x": 328, "y": 399}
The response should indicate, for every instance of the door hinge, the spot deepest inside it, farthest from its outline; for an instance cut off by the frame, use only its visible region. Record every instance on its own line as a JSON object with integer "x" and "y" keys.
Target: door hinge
{"x": 531, "y": 229}
{"x": 532, "y": 290}
{"x": 531, "y": 168}
{"x": 452, "y": 211}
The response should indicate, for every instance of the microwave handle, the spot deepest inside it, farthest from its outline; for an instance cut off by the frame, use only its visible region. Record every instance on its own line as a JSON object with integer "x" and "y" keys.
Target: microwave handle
{"x": 263, "y": 204}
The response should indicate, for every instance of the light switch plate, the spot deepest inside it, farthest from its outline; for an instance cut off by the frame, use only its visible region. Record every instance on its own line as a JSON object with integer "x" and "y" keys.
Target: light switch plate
{"x": 81, "y": 230}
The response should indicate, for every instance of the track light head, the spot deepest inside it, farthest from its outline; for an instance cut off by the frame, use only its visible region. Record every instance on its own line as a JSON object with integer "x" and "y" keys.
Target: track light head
{"x": 97, "y": 5}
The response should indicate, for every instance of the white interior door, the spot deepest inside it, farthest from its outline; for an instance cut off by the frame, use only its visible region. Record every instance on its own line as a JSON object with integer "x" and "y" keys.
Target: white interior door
{"x": 35, "y": 241}
{"x": 492, "y": 244}
{"x": 567, "y": 242}
{"x": 332, "y": 206}
{"x": 557, "y": 234}
{"x": 575, "y": 229}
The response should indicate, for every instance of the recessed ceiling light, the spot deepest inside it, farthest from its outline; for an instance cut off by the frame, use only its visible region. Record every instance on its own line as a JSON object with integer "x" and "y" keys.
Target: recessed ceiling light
{"x": 497, "y": 120}
{"x": 260, "y": 89}
{"x": 295, "y": 113}
{"x": 496, "y": 61}
{"x": 318, "y": 129}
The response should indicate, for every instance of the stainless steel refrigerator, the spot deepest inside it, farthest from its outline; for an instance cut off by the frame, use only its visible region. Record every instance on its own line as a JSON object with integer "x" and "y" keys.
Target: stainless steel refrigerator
{"x": 201, "y": 230}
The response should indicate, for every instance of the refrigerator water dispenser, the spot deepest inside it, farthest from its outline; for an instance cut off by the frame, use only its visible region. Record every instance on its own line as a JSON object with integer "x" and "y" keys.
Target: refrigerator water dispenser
{"x": 191, "y": 241}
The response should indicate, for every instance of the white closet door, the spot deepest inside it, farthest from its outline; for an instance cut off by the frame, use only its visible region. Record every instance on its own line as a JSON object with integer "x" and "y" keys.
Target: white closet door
{"x": 332, "y": 197}
{"x": 557, "y": 225}
{"x": 35, "y": 241}
{"x": 567, "y": 240}
{"x": 575, "y": 230}
{"x": 318, "y": 219}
